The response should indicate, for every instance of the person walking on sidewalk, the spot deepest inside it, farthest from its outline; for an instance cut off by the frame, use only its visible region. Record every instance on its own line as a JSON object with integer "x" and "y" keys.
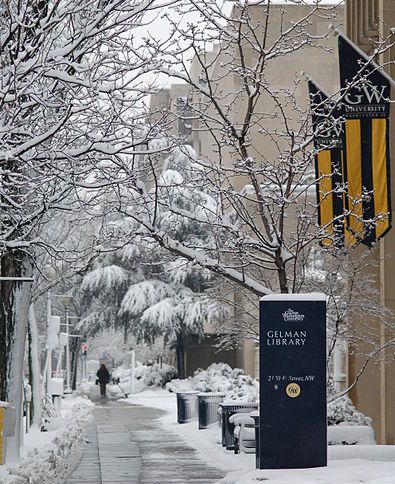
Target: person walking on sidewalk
{"x": 104, "y": 377}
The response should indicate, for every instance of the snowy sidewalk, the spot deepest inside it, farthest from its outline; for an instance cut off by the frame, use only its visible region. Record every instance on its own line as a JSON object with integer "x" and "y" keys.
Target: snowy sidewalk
{"x": 127, "y": 444}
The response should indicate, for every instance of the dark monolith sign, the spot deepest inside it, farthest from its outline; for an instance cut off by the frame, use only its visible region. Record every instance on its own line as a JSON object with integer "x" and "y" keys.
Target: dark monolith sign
{"x": 292, "y": 422}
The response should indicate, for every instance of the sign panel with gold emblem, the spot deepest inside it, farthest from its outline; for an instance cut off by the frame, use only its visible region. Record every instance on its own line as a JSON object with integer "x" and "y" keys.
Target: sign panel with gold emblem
{"x": 292, "y": 382}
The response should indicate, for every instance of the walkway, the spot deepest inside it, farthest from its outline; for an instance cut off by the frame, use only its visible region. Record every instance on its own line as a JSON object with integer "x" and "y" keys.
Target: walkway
{"x": 126, "y": 444}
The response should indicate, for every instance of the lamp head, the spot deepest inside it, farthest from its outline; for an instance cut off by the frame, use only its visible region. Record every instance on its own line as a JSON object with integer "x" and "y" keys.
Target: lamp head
{"x": 67, "y": 301}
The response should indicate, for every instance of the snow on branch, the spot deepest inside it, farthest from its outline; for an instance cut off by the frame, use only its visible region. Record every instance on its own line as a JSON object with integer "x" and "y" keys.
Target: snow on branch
{"x": 144, "y": 294}
{"x": 207, "y": 262}
{"x": 104, "y": 278}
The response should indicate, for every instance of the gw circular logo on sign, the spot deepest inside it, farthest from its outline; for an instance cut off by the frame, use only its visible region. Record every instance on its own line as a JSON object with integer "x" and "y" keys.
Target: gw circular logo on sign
{"x": 293, "y": 390}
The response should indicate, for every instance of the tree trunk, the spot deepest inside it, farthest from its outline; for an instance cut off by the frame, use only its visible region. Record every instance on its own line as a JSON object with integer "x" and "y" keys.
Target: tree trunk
{"x": 180, "y": 353}
{"x": 282, "y": 274}
{"x": 36, "y": 384}
{"x": 14, "y": 312}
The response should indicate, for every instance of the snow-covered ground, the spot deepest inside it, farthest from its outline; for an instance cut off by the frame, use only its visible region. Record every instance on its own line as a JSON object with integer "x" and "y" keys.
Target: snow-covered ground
{"x": 366, "y": 464}
{"x": 47, "y": 457}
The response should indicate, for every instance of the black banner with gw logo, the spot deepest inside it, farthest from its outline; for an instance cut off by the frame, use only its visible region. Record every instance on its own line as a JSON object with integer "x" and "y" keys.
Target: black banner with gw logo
{"x": 366, "y": 107}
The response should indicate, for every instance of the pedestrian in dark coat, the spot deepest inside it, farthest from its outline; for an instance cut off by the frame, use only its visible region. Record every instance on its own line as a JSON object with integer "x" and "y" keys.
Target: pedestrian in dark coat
{"x": 104, "y": 377}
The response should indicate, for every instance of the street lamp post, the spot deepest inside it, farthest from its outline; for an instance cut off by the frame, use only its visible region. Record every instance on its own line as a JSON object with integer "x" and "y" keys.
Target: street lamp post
{"x": 67, "y": 302}
{"x": 49, "y": 350}
{"x": 67, "y": 389}
{"x": 132, "y": 366}
{"x": 83, "y": 359}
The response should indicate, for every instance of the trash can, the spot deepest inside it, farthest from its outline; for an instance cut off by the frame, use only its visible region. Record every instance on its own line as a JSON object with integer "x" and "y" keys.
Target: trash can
{"x": 186, "y": 406}
{"x": 255, "y": 416}
{"x": 208, "y": 404}
{"x": 229, "y": 409}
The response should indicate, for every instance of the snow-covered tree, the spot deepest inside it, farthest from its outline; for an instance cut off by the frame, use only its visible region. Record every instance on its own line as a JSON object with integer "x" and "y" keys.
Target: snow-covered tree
{"x": 144, "y": 290}
{"x": 69, "y": 92}
{"x": 139, "y": 292}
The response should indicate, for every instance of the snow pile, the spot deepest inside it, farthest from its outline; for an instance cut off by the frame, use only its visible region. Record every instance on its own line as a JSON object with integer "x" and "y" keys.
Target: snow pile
{"x": 121, "y": 375}
{"x": 51, "y": 417}
{"x": 344, "y": 434}
{"x": 341, "y": 410}
{"x": 50, "y": 464}
{"x": 84, "y": 389}
{"x": 220, "y": 377}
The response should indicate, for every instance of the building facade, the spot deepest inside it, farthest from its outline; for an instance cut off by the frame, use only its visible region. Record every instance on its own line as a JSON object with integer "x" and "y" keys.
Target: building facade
{"x": 369, "y": 22}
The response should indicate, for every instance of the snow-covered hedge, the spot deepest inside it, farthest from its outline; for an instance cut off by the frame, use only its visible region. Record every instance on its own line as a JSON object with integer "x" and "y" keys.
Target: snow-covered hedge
{"x": 149, "y": 375}
{"x": 220, "y": 377}
{"x": 159, "y": 375}
{"x": 50, "y": 464}
{"x": 342, "y": 410}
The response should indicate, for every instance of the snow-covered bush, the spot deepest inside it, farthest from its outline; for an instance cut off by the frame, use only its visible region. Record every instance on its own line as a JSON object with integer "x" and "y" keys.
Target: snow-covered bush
{"x": 341, "y": 410}
{"x": 159, "y": 375}
{"x": 50, "y": 464}
{"x": 149, "y": 375}
{"x": 220, "y": 377}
